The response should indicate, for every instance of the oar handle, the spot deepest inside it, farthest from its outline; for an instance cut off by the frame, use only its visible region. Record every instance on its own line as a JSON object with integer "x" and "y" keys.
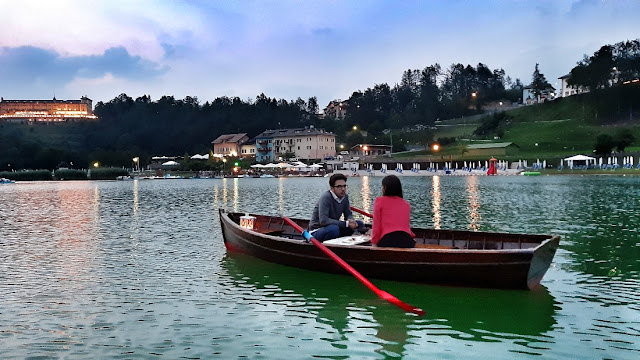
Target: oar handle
{"x": 361, "y": 211}
{"x": 382, "y": 294}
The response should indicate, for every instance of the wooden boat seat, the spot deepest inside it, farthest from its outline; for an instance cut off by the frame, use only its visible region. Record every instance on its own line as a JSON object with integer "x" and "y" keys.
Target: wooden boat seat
{"x": 268, "y": 231}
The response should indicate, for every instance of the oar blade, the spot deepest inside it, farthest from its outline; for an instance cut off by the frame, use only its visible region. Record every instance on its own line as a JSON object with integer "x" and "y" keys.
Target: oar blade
{"x": 381, "y": 293}
{"x": 401, "y": 304}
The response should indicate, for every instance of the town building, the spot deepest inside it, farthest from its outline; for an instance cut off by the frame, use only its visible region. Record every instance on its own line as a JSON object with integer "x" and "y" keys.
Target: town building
{"x": 529, "y": 97}
{"x": 46, "y": 110}
{"x": 302, "y": 143}
{"x": 337, "y": 110}
{"x": 248, "y": 148}
{"x": 228, "y": 144}
{"x": 568, "y": 90}
{"x": 369, "y": 150}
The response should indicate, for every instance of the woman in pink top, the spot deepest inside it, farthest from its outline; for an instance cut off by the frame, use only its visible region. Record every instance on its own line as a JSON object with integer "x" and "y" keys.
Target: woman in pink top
{"x": 391, "y": 217}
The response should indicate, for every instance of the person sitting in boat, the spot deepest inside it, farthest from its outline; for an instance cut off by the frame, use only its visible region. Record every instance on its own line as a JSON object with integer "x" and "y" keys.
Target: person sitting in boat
{"x": 325, "y": 221}
{"x": 391, "y": 217}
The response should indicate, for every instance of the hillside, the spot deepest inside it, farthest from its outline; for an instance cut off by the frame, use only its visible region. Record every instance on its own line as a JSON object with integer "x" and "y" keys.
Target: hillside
{"x": 555, "y": 129}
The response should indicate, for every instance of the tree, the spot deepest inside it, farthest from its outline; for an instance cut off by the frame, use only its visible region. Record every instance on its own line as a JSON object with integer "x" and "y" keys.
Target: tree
{"x": 312, "y": 105}
{"x": 604, "y": 144}
{"x": 623, "y": 139}
{"x": 539, "y": 83}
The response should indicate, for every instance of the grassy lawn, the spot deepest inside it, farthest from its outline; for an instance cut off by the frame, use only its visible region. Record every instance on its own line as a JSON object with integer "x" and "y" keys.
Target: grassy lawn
{"x": 549, "y": 131}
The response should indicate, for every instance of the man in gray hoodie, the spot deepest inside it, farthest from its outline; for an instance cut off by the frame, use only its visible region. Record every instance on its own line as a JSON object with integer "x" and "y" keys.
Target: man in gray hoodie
{"x": 325, "y": 221}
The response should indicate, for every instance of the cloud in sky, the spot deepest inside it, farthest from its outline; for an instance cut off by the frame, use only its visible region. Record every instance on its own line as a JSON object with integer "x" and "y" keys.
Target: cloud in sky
{"x": 286, "y": 49}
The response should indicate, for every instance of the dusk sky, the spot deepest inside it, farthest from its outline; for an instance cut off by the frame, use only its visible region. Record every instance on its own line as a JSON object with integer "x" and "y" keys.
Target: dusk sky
{"x": 286, "y": 49}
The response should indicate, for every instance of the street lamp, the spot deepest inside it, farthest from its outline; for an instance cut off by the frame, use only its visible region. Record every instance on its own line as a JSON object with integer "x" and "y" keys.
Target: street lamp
{"x": 435, "y": 147}
{"x": 355, "y": 128}
{"x": 96, "y": 164}
{"x": 135, "y": 163}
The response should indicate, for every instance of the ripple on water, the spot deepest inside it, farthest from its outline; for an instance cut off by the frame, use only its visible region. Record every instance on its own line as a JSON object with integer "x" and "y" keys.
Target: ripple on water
{"x": 137, "y": 269}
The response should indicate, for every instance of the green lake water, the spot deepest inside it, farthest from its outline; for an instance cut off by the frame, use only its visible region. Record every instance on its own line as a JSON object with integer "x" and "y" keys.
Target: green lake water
{"x": 138, "y": 270}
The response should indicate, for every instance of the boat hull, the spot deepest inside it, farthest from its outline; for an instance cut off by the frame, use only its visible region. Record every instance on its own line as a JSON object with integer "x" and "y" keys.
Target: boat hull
{"x": 495, "y": 268}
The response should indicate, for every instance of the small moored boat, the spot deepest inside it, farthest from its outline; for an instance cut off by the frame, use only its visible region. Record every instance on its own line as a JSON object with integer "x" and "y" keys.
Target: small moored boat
{"x": 450, "y": 257}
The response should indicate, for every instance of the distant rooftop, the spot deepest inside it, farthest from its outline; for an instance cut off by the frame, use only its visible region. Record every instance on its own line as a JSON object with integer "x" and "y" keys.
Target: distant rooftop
{"x": 292, "y": 132}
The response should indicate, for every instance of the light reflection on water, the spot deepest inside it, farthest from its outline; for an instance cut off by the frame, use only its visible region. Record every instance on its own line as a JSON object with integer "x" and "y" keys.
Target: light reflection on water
{"x": 474, "y": 202}
{"x": 437, "y": 216}
{"x": 137, "y": 269}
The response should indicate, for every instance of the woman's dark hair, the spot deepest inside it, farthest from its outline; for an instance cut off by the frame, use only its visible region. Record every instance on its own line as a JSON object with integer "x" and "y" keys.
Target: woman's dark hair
{"x": 392, "y": 186}
{"x": 336, "y": 177}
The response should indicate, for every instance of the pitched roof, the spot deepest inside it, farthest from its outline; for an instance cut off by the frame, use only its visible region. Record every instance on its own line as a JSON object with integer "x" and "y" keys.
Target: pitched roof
{"x": 292, "y": 132}
{"x": 491, "y": 145}
{"x": 229, "y": 138}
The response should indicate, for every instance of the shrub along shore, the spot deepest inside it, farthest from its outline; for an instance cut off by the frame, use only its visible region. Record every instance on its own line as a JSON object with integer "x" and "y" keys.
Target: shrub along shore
{"x": 65, "y": 174}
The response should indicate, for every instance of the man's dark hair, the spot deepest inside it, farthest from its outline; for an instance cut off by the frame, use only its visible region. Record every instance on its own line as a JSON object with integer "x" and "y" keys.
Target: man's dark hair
{"x": 336, "y": 177}
{"x": 392, "y": 186}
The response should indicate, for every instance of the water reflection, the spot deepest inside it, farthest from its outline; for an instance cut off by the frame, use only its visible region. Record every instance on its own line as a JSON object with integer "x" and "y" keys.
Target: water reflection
{"x": 136, "y": 199}
{"x": 354, "y": 313}
{"x": 482, "y": 315}
{"x": 236, "y": 194}
{"x": 365, "y": 194}
{"x": 435, "y": 202}
{"x": 281, "y": 196}
{"x": 474, "y": 202}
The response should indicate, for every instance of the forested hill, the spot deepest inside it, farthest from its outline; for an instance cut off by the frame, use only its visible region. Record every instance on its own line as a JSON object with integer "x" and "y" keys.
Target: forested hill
{"x": 170, "y": 126}
{"x": 143, "y": 128}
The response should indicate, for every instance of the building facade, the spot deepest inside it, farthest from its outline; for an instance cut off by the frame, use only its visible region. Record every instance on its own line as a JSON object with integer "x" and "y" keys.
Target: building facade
{"x": 248, "y": 149}
{"x": 337, "y": 110}
{"x": 369, "y": 150}
{"x": 46, "y": 110}
{"x": 568, "y": 90}
{"x": 229, "y": 144}
{"x": 303, "y": 143}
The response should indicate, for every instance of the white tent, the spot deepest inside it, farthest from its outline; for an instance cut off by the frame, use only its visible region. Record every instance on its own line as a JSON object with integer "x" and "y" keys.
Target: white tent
{"x": 256, "y": 166}
{"x": 200, "y": 157}
{"x": 587, "y": 160}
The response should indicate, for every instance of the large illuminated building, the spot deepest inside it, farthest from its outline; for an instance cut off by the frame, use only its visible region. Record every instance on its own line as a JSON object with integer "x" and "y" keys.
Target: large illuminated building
{"x": 46, "y": 110}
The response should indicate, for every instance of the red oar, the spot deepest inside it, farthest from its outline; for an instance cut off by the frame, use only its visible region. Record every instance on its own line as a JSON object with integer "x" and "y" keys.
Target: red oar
{"x": 361, "y": 211}
{"x": 383, "y": 294}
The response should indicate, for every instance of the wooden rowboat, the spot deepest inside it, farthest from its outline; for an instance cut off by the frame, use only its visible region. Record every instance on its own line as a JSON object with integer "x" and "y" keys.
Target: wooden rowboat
{"x": 466, "y": 258}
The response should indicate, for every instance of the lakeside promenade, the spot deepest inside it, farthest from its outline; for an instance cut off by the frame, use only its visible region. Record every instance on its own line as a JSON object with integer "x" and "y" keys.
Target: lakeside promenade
{"x": 452, "y": 172}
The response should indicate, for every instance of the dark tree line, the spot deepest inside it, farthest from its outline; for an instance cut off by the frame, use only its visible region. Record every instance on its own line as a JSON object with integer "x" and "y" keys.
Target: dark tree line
{"x": 424, "y": 96}
{"x": 611, "y": 65}
{"x": 170, "y": 126}
{"x": 143, "y": 128}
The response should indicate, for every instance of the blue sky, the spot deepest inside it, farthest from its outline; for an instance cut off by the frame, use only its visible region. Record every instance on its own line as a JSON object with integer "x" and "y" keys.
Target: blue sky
{"x": 286, "y": 49}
